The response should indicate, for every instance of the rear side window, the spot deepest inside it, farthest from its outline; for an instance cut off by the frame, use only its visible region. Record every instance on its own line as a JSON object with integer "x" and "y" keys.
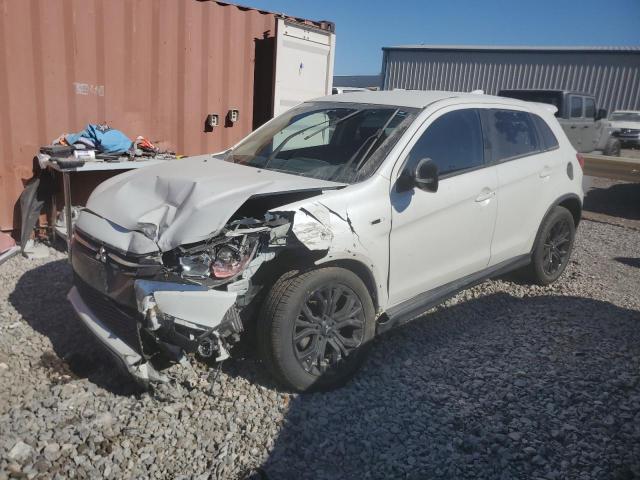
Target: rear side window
{"x": 548, "y": 139}
{"x": 589, "y": 107}
{"x": 576, "y": 107}
{"x": 453, "y": 142}
{"x": 513, "y": 134}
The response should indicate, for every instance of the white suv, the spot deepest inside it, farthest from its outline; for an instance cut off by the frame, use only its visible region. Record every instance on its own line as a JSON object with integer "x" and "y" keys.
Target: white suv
{"x": 339, "y": 219}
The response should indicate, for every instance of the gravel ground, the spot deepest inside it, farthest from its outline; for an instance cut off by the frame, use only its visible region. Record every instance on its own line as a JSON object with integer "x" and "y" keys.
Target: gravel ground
{"x": 504, "y": 381}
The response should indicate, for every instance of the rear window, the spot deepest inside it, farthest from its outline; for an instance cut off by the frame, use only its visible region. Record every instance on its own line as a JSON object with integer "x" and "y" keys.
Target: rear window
{"x": 513, "y": 134}
{"x": 589, "y": 107}
{"x": 548, "y": 139}
{"x": 576, "y": 107}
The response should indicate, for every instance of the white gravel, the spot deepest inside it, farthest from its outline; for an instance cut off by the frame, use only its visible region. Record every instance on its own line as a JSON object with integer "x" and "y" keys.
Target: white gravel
{"x": 504, "y": 381}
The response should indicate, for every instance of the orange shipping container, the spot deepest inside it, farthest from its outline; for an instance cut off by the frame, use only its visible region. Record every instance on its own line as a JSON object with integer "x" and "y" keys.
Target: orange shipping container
{"x": 155, "y": 68}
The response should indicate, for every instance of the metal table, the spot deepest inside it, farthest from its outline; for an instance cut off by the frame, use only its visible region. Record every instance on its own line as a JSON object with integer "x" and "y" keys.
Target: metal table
{"x": 89, "y": 167}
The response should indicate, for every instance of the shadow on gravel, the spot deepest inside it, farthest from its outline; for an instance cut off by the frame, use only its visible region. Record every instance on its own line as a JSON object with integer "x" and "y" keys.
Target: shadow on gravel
{"x": 620, "y": 200}
{"x": 496, "y": 387}
{"x": 630, "y": 261}
{"x": 40, "y": 296}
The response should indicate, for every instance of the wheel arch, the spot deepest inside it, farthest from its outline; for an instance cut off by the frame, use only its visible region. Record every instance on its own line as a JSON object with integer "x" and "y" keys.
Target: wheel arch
{"x": 303, "y": 260}
{"x": 362, "y": 271}
{"x": 572, "y": 203}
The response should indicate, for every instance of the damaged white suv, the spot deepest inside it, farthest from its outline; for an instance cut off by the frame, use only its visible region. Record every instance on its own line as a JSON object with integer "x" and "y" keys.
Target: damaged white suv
{"x": 335, "y": 221}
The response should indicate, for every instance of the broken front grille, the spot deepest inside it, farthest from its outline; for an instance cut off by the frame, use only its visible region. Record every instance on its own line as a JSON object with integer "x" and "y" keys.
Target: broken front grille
{"x": 108, "y": 254}
{"x": 120, "y": 320}
{"x": 109, "y": 271}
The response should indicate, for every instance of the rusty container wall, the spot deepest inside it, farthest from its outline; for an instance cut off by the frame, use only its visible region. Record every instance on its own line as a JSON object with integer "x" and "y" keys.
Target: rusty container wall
{"x": 154, "y": 68}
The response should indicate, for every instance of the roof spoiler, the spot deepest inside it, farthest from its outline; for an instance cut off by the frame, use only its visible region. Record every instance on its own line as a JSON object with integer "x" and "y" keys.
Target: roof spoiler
{"x": 548, "y": 107}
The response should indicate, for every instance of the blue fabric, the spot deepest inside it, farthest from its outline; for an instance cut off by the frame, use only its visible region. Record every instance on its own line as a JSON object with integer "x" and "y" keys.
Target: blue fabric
{"x": 106, "y": 140}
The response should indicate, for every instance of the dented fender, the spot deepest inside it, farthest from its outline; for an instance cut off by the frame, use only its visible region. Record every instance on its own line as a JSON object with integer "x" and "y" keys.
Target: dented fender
{"x": 353, "y": 227}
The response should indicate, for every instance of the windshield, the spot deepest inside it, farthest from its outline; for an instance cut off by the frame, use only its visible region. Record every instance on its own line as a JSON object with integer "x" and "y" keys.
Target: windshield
{"x": 328, "y": 141}
{"x": 625, "y": 116}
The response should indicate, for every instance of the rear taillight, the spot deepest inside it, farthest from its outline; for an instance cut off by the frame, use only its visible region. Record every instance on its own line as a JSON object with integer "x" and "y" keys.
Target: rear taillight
{"x": 580, "y": 159}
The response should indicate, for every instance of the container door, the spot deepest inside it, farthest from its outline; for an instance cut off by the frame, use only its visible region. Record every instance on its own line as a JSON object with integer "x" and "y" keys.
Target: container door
{"x": 304, "y": 64}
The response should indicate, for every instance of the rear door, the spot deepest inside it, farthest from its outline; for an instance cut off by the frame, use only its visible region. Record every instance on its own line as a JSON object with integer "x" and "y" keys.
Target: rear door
{"x": 304, "y": 64}
{"x": 526, "y": 170}
{"x": 438, "y": 237}
{"x": 590, "y": 136}
{"x": 574, "y": 123}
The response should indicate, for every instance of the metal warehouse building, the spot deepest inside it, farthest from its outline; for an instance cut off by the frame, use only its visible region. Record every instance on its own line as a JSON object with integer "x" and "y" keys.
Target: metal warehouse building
{"x": 611, "y": 73}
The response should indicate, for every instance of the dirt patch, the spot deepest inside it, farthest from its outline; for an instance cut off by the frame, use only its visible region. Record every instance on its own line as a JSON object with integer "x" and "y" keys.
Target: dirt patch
{"x": 58, "y": 370}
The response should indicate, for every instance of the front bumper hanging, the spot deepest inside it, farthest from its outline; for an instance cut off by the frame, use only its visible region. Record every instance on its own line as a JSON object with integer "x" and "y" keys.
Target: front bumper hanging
{"x": 193, "y": 307}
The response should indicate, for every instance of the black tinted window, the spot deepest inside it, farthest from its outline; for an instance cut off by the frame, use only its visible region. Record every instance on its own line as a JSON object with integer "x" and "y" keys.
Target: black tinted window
{"x": 589, "y": 107}
{"x": 549, "y": 140}
{"x": 576, "y": 107}
{"x": 513, "y": 134}
{"x": 453, "y": 142}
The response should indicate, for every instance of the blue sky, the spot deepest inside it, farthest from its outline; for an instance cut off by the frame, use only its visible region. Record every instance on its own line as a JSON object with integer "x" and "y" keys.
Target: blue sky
{"x": 364, "y": 27}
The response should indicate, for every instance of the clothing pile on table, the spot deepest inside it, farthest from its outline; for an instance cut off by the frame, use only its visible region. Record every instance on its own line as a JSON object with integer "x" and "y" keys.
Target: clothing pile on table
{"x": 96, "y": 143}
{"x": 100, "y": 142}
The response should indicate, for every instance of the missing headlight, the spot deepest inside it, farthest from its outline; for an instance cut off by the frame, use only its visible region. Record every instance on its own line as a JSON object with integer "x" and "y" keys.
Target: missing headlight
{"x": 230, "y": 261}
{"x": 196, "y": 266}
{"x": 226, "y": 256}
{"x": 220, "y": 261}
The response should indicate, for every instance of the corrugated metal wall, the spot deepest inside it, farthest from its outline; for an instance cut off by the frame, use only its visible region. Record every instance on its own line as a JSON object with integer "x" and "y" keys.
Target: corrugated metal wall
{"x": 148, "y": 67}
{"x": 614, "y": 77}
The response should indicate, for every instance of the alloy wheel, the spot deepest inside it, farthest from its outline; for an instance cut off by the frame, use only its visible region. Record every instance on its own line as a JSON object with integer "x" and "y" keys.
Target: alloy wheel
{"x": 328, "y": 328}
{"x": 556, "y": 247}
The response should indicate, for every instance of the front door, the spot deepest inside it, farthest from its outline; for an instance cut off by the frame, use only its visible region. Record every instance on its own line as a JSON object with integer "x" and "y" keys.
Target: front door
{"x": 438, "y": 237}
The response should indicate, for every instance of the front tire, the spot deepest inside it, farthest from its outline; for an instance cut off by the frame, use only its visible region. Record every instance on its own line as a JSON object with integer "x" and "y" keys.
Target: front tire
{"x": 612, "y": 148}
{"x": 315, "y": 328}
{"x": 552, "y": 248}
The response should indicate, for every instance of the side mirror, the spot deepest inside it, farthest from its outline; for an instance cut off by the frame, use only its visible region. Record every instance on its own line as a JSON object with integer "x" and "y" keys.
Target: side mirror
{"x": 600, "y": 114}
{"x": 425, "y": 175}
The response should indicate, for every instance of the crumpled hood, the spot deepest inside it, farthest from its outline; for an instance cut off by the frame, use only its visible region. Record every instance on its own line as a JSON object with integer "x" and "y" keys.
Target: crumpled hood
{"x": 617, "y": 125}
{"x": 188, "y": 200}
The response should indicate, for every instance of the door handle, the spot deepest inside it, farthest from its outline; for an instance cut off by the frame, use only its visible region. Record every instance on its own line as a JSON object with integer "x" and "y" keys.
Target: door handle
{"x": 485, "y": 195}
{"x": 546, "y": 172}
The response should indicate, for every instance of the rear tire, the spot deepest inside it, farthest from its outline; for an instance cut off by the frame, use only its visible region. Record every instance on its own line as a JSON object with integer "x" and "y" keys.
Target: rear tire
{"x": 316, "y": 328}
{"x": 552, "y": 248}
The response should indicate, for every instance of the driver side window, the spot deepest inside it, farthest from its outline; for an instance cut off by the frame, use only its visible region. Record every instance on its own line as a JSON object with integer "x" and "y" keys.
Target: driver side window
{"x": 453, "y": 141}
